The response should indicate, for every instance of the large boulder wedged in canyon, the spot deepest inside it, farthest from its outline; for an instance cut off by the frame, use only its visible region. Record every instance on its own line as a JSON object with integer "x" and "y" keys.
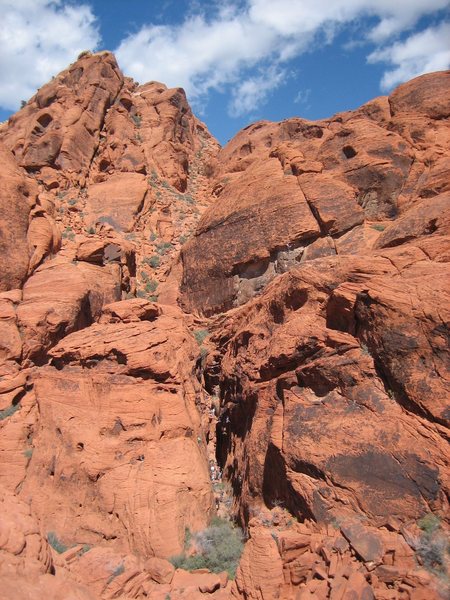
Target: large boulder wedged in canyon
{"x": 139, "y": 475}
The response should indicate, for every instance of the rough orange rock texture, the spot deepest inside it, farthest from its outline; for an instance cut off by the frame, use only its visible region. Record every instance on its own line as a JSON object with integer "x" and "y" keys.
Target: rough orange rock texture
{"x": 280, "y": 305}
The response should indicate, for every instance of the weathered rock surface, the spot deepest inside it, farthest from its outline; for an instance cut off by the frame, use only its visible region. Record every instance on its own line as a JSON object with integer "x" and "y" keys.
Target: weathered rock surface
{"x": 334, "y": 379}
{"x": 311, "y": 260}
{"x": 327, "y": 390}
{"x": 139, "y": 476}
{"x": 17, "y": 194}
{"x": 283, "y": 559}
{"x": 283, "y": 186}
{"x": 59, "y": 128}
{"x": 62, "y": 297}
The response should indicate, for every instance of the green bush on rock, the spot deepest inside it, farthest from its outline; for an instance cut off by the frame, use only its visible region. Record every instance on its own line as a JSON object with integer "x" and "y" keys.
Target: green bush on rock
{"x": 219, "y": 548}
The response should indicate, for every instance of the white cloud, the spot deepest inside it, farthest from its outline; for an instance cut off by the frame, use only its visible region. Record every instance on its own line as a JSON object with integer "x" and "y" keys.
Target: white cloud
{"x": 302, "y": 97}
{"x": 219, "y": 51}
{"x": 39, "y": 38}
{"x": 199, "y": 55}
{"x": 423, "y": 52}
{"x": 252, "y": 92}
{"x": 242, "y": 48}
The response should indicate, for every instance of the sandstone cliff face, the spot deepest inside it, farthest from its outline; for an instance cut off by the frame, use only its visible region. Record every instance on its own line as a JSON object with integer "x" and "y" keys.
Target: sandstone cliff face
{"x": 281, "y": 303}
{"x": 298, "y": 190}
{"x": 116, "y": 173}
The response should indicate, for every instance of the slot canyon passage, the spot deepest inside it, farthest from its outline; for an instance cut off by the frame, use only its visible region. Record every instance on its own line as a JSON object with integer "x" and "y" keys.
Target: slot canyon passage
{"x": 210, "y": 350}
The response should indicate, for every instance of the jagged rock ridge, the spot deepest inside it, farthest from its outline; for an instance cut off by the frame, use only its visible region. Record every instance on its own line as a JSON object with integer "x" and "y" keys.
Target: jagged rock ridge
{"x": 309, "y": 260}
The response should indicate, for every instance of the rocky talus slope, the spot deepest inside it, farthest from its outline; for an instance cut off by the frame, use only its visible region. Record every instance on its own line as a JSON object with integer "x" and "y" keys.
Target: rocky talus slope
{"x": 258, "y": 331}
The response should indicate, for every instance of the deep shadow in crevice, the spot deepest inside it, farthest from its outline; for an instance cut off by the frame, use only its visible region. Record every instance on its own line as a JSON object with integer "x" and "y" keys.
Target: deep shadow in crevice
{"x": 277, "y": 489}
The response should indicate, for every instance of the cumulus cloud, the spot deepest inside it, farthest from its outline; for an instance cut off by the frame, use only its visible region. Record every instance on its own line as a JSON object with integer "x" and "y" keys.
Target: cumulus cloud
{"x": 252, "y": 92}
{"x": 220, "y": 50}
{"x": 303, "y": 97}
{"x": 243, "y": 48}
{"x": 199, "y": 55}
{"x": 422, "y": 52}
{"x": 39, "y": 38}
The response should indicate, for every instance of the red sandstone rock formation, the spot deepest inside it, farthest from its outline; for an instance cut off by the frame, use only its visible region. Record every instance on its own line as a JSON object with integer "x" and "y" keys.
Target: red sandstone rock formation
{"x": 310, "y": 259}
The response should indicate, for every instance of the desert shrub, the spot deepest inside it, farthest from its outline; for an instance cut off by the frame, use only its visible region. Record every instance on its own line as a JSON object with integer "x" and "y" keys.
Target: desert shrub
{"x": 178, "y": 561}
{"x": 432, "y": 549}
{"x": 55, "y": 543}
{"x": 68, "y": 234}
{"x": 200, "y": 335}
{"x": 163, "y": 247}
{"x": 151, "y": 286}
{"x": 429, "y": 523}
{"x": 154, "y": 261}
{"x": 9, "y": 411}
{"x": 117, "y": 571}
{"x": 84, "y": 549}
{"x": 137, "y": 120}
{"x": 378, "y": 227}
{"x": 219, "y": 549}
{"x": 433, "y": 545}
{"x": 187, "y": 538}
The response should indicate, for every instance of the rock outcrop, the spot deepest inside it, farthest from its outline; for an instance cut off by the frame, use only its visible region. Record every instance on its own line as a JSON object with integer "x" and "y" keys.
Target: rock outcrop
{"x": 279, "y": 306}
{"x": 299, "y": 190}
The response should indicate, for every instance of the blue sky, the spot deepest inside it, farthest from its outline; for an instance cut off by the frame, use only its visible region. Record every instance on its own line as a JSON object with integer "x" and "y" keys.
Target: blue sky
{"x": 247, "y": 60}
